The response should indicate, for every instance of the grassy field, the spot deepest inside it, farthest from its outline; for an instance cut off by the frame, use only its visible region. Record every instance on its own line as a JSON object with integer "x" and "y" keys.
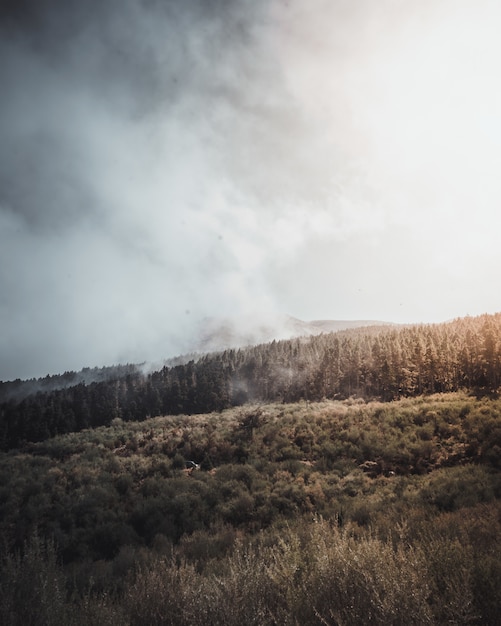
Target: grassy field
{"x": 308, "y": 513}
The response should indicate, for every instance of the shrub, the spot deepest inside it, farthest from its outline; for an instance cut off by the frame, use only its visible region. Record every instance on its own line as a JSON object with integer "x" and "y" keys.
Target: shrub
{"x": 452, "y": 488}
{"x": 359, "y": 581}
{"x": 450, "y": 567}
{"x": 33, "y": 586}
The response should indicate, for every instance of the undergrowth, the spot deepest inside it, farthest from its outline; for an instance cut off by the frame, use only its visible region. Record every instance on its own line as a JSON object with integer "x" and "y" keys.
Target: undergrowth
{"x": 329, "y": 513}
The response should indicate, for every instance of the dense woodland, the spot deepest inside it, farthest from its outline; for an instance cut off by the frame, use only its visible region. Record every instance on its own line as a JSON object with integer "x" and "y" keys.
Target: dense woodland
{"x": 373, "y": 363}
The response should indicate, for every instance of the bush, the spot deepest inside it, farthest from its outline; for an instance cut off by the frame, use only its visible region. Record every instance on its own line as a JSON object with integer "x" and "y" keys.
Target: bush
{"x": 33, "y": 587}
{"x": 453, "y": 488}
{"x": 363, "y": 581}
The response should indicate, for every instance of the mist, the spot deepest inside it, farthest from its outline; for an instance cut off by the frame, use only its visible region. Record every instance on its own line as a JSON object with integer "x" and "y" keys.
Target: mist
{"x": 166, "y": 162}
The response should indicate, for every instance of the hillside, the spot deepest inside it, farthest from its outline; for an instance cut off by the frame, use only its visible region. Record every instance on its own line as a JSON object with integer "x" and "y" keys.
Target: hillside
{"x": 377, "y": 362}
{"x": 338, "y": 512}
{"x": 212, "y": 335}
{"x": 339, "y": 478}
{"x": 216, "y": 334}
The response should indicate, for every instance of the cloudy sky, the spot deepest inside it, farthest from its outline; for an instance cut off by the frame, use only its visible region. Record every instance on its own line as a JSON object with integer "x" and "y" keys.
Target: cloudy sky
{"x": 164, "y": 161}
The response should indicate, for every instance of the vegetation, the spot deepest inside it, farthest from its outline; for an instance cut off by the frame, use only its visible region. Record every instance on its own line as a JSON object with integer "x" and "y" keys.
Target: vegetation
{"x": 348, "y": 478}
{"x": 332, "y": 512}
{"x": 373, "y": 363}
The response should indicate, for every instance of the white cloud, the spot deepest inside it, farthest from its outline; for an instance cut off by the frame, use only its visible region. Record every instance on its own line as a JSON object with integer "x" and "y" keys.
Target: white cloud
{"x": 323, "y": 159}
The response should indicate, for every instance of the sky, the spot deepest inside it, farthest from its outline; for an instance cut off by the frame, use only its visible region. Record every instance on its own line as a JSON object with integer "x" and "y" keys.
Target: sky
{"x": 162, "y": 162}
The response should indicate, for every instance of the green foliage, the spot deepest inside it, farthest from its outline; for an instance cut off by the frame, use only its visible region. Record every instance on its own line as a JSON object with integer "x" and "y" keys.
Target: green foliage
{"x": 310, "y": 573}
{"x": 337, "y": 512}
{"x": 32, "y": 586}
{"x": 460, "y": 487}
{"x": 373, "y": 363}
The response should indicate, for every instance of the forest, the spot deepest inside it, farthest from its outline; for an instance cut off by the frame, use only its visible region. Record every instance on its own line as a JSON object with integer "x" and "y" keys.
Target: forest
{"x": 372, "y": 363}
{"x": 343, "y": 479}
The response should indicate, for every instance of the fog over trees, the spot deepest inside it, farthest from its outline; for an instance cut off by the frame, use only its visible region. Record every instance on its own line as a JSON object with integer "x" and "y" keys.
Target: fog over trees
{"x": 371, "y": 363}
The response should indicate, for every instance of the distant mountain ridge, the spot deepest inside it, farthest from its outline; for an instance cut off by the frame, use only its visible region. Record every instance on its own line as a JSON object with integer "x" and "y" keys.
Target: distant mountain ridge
{"x": 217, "y": 334}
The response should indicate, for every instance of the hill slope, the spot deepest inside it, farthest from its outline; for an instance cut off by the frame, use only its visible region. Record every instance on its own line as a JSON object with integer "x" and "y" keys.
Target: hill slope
{"x": 387, "y": 513}
{"x": 217, "y": 334}
{"x": 374, "y": 362}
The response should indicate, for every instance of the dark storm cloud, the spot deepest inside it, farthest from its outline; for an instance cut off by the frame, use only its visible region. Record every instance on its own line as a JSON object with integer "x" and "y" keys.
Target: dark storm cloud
{"x": 116, "y": 121}
{"x": 135, "y": 60}
{"x": 163, "y": 161}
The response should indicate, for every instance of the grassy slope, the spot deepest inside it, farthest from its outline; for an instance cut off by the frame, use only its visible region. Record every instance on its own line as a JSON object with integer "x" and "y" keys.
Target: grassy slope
{"x": 328, "y": 512}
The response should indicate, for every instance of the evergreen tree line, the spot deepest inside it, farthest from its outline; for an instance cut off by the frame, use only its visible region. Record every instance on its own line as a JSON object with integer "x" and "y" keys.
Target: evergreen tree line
{"x": 374, "y": 363}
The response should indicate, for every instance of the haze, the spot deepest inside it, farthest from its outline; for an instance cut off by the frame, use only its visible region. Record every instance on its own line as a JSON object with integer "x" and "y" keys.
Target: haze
{"x": 163, "y": 162}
